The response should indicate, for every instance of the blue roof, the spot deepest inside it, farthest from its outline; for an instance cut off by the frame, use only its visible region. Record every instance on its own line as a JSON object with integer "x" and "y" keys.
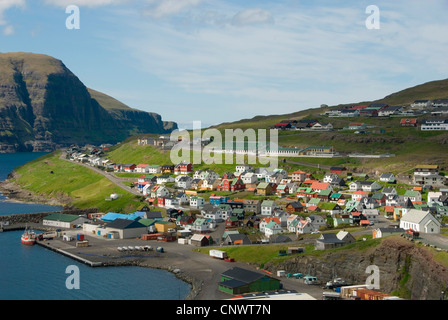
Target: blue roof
{"x": 111, "y": 216}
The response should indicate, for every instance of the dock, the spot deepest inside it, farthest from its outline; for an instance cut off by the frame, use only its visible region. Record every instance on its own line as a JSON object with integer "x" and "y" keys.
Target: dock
{"x": 68, "y": 254}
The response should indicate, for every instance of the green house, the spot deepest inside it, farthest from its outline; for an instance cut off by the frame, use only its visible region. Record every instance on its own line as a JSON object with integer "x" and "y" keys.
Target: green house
{"x": 239, "y": 281}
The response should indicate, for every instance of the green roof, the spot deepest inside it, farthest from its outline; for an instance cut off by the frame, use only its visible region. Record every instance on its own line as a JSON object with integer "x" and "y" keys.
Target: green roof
{"x": 61, "y": 217}
{"x": 147, "y": 222}
{"x": 268, "y": 203}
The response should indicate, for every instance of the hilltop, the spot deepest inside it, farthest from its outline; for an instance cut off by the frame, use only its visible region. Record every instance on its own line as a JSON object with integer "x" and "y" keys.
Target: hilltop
{"x": 410, "y": 145}
{"x": 44, "y": 106}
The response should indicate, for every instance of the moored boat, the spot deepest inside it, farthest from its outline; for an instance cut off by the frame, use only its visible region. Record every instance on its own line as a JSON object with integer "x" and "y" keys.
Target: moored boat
{"x": 28, "y": 237}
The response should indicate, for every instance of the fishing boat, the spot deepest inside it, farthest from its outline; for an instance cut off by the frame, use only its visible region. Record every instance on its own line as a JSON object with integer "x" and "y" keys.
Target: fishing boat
{"x": 28, "y": 237}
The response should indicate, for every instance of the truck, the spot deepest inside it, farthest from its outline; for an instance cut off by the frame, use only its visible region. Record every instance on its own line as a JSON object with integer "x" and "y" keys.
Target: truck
{"x": 218, "y": 254}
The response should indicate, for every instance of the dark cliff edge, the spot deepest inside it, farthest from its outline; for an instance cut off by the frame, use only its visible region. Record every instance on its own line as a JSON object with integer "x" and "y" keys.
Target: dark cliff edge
{"x": 44, "y": 106}
{"x": 406, "y": 269}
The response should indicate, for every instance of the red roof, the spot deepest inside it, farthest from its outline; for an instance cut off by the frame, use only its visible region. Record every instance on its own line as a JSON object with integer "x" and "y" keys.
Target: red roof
{"x": 358, "y": 107}
{"x": 320, "y": 185}
{"x": 360, "y": 192}
{"x": 413, "y": 121}
{"x": 281, "y": 124}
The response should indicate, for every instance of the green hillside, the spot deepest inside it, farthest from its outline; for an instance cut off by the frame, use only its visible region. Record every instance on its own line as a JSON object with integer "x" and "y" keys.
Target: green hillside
{"x": 54, "y": 178}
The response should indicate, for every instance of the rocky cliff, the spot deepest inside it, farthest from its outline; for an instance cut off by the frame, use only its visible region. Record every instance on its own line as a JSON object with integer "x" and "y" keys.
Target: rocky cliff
{"x": 44, "y": 106}
{"x": 406, "y": 269}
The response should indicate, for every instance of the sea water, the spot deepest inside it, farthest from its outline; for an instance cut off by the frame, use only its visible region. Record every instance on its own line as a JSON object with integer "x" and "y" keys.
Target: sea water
{"x": 36, "y": 273}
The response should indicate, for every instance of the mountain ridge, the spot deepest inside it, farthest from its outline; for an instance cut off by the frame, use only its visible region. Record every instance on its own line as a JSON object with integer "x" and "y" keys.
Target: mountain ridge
{"x": 44, "y": 106}
{"x": 437, "y": 89}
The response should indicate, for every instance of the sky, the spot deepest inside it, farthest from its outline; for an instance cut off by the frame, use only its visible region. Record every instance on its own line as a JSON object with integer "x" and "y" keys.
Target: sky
{"x": 216, "y": 61}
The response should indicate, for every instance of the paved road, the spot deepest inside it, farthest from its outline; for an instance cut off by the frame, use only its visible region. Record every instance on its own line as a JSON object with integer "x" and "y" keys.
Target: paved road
{"x": 118, "y": 181}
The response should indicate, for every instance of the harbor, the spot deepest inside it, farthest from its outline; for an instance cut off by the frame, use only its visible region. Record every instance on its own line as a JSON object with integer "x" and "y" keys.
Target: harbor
{"x": 199, "y": 270}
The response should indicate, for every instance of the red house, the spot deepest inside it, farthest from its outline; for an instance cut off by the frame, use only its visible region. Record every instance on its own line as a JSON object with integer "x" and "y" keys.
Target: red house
{"x": 408, "y": 122}
{"x": 183, "y": 168}
{"x": 160, "y": 202}
{"x": 234, "y": 184}
{"x": 129, "y": 167}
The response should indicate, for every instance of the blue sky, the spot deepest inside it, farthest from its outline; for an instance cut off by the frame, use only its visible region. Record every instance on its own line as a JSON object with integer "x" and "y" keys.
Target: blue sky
{"x": 216, "y": 61}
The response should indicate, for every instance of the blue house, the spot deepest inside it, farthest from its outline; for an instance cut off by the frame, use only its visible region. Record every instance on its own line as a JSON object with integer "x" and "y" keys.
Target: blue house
{"x": 217, "y": 200}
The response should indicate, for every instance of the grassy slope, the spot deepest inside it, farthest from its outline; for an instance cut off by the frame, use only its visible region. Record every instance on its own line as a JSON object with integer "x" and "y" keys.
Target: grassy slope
{"x": 410, "y": 145}
{"x": 87, "y": 189}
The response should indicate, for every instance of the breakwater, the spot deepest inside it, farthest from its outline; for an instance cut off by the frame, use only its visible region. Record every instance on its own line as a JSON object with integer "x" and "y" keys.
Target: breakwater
{"x": 23, "y": 218}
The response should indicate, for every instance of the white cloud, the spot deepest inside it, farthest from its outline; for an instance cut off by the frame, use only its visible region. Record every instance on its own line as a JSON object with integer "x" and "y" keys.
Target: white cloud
{"x": 309, "y": 56}
{"x": 161, "y": 8}
{"x": 8, "y": 30}
{"x": 8, "y": 4}
{"x": 252, "y": 16}
{"x": 84, "y": 3}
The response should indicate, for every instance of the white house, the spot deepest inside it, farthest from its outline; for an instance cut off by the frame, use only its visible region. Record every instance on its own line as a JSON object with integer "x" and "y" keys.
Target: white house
{"x": 160, "y": 192}
{"x": 267, "y": 207}
{"x": 420, "y": 221}
{"x": 184, "y": 182}
{"x": 241, "y": 168}
{"x": 358, "y": 195}
{"x": 249, "y": 177}
{"x": 197, "y": 202}
{"x": 272, "y": 228}
{"x": 164, "y": 179}
{"x": 433, "y": 197}
{"x": 371, "y": 214}
{"x": 367, "y": 186}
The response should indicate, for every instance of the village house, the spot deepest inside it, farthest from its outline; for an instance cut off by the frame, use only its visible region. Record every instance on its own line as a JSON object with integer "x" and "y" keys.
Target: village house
{"x": 388, "y": 177}
{"x": 267, "y": 207}
{"x": 243, "y": 168}
{"x": 358, "y": 195}
{"x": 265, "y": 221}
{"x": 209, "y": 211}
{"x": 201, "y": 225}
{"x": 183, "y": 168}
{"x": 384, "y": 232}
{"x": 235, "y": 184}
{"x": 294, "y": 207}
{"x": 184, "y": 182}
{"x": 409, "y": 122}
{"x": 300, "y": 176}
{"x": 367, "y": 186}
{"x": 412, "y": 195}
{"x": 265, "y": 189}
{"x": 272, "y": 228}
{"x": 165, "y": 179}
{"x": 371, "y": 215}
{"x": 317, "y": 221}
{"x": 197, "y": 202}
{"x": 252, "y": 206}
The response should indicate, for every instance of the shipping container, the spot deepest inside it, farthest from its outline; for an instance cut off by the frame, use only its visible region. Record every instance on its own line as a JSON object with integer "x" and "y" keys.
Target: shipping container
{"x": 84, "y": 243}
{"x": 219, "y": 254}
{"x": 80, "y": 237}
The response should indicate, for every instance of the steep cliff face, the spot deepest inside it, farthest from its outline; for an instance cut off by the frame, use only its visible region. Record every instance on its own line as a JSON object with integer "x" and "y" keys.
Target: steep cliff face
{"x": 43, "y": 106}
{"x": 404, "y": 268}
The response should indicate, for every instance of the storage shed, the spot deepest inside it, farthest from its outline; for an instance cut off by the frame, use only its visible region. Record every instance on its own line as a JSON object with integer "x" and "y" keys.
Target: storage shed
{"x": 61, "y": 220}
{"x": 238, "y": 281}
{"x": 126, "y": 228}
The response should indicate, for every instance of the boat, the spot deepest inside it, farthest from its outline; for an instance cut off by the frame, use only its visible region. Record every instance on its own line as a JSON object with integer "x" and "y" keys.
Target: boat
{"x": 28, "y": 237}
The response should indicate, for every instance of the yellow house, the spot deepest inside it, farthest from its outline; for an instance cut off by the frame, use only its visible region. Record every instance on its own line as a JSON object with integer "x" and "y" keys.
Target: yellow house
{"x": 163, "y": 226}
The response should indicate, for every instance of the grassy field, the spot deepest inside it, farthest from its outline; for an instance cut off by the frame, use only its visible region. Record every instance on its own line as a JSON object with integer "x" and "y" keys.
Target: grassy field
{"x": 55, "y": 178}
